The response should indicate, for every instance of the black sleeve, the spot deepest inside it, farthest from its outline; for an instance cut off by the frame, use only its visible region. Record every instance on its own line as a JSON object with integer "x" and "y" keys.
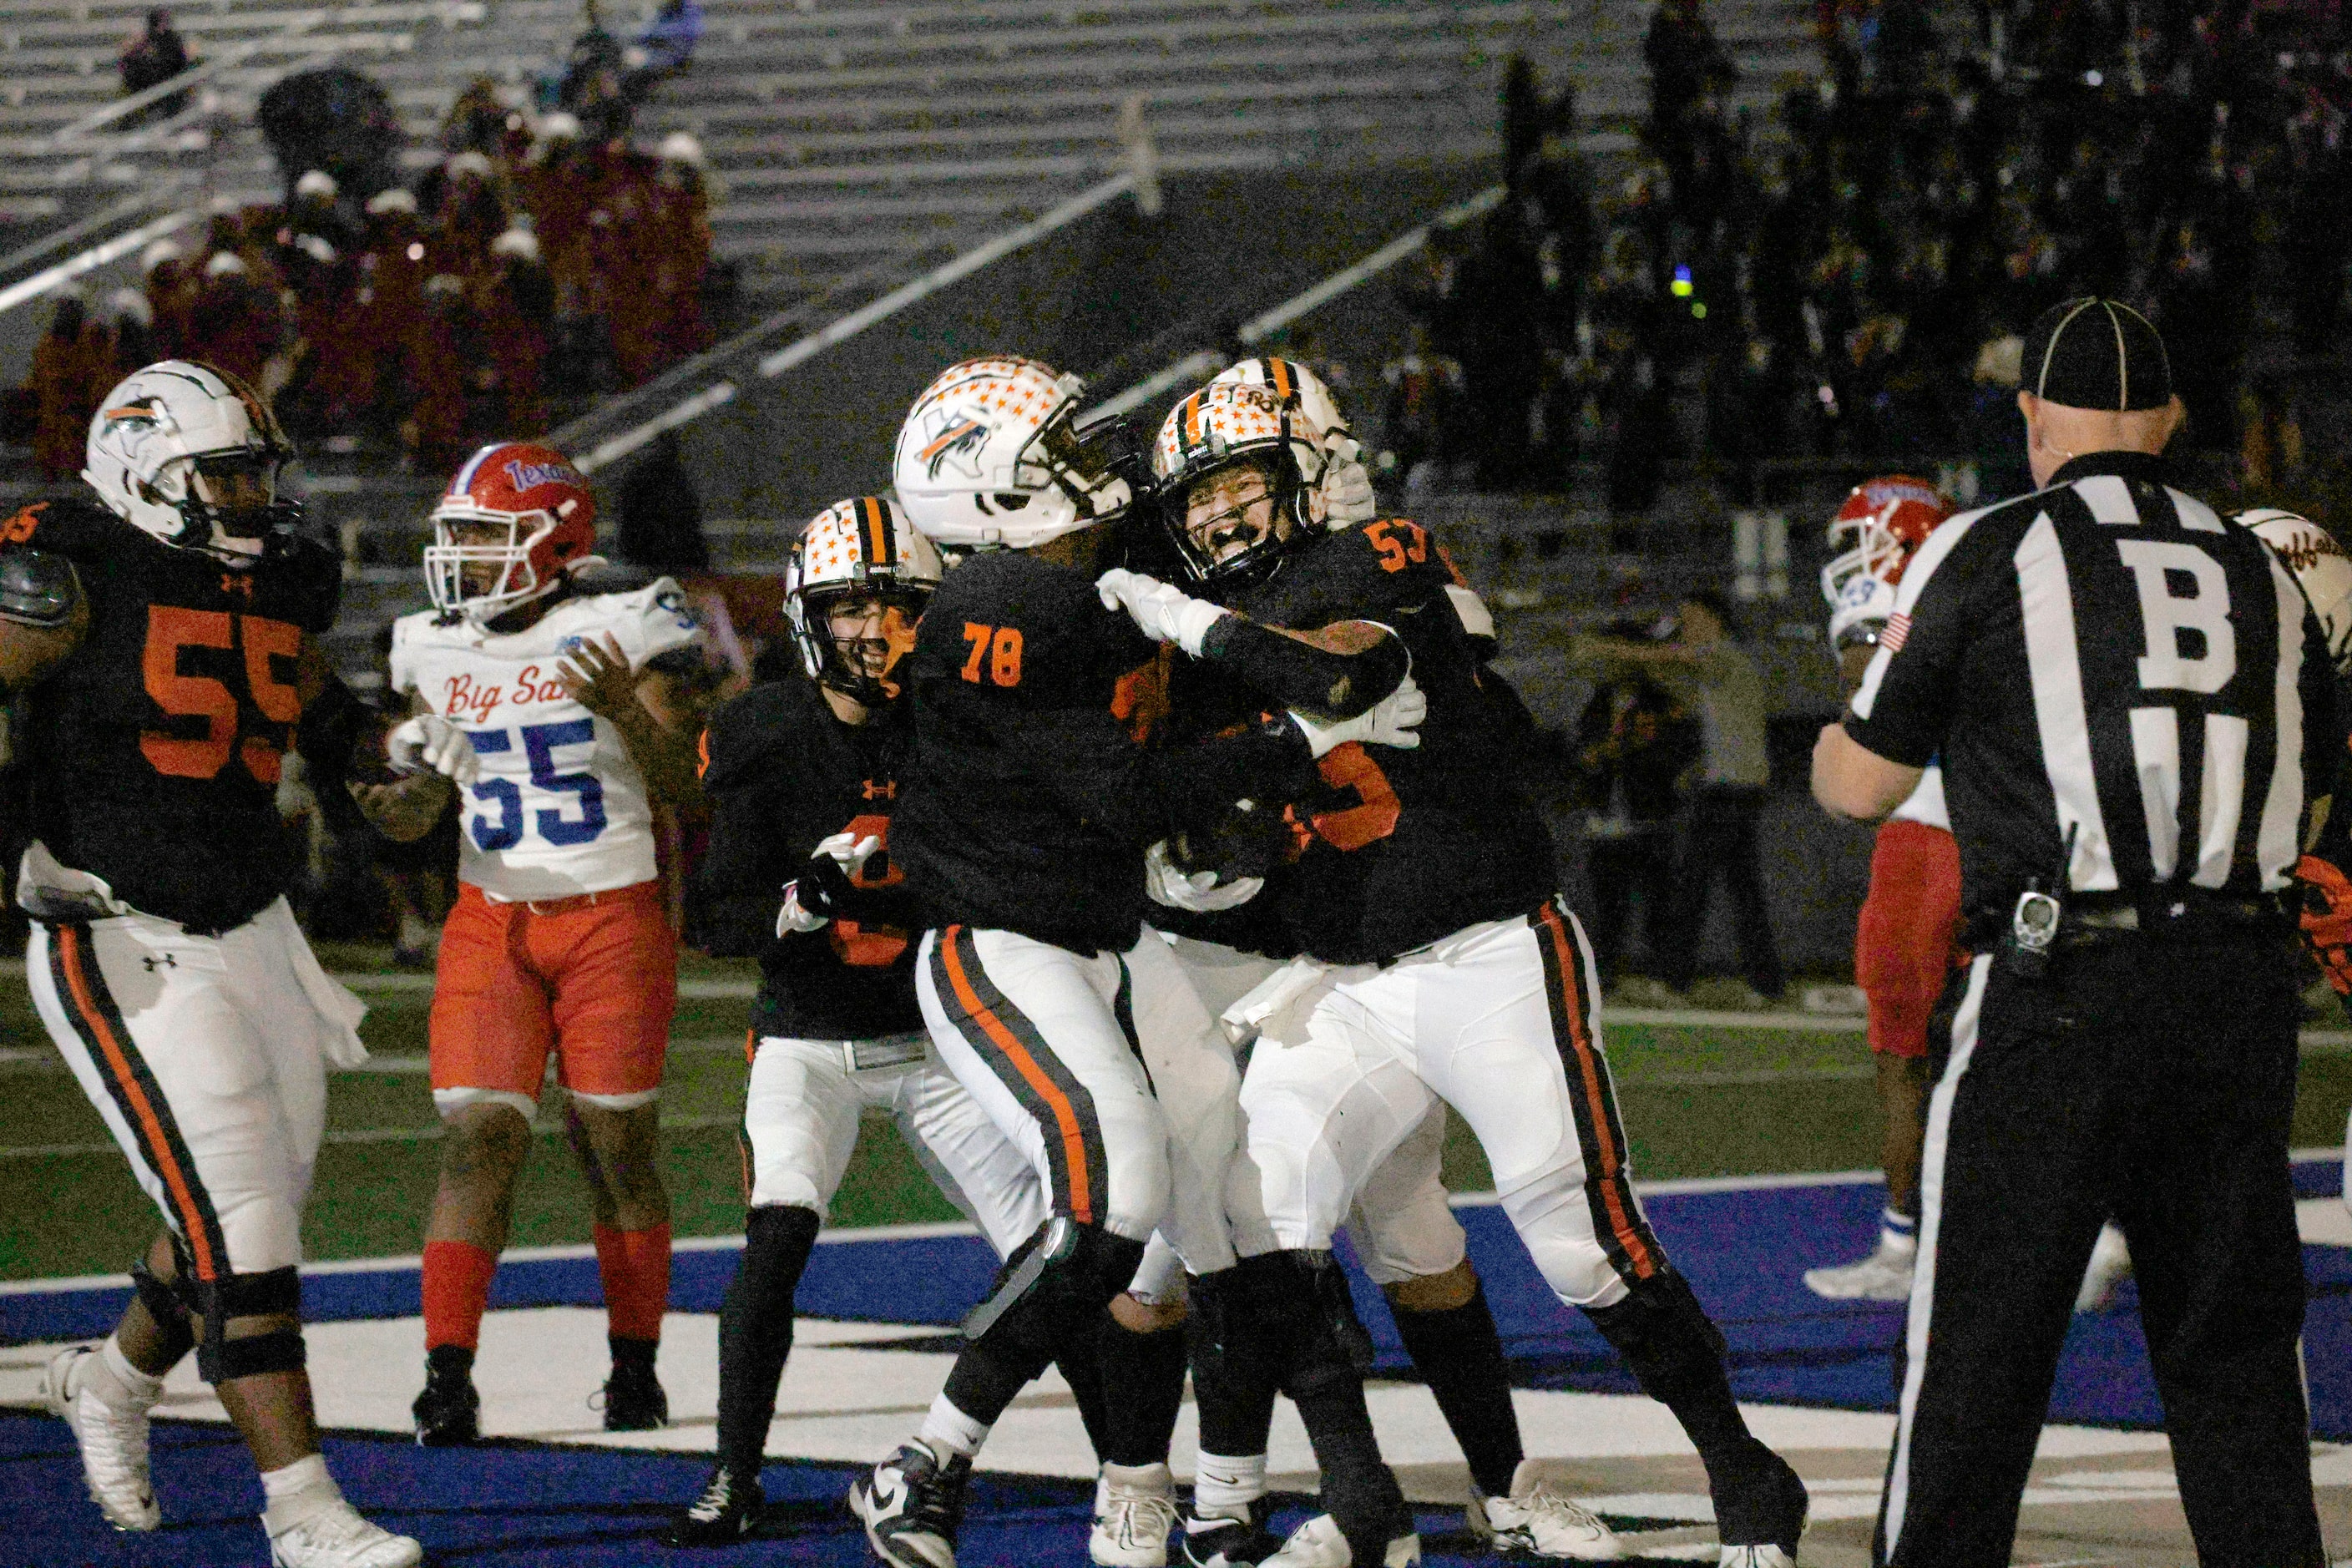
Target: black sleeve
{"x": 736, "y": 890}
{"x": 1337, "y": 672}
{"x": 316, "y": 573}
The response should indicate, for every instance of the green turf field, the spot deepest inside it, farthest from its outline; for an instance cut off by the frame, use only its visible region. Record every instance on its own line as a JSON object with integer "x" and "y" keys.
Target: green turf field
{"x": 1697, "y": 1102}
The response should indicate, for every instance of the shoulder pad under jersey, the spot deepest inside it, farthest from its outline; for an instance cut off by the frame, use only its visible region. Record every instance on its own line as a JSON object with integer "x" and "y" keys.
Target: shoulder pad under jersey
{"x": 37, "y": 587}
{"x": 313, "y": 572}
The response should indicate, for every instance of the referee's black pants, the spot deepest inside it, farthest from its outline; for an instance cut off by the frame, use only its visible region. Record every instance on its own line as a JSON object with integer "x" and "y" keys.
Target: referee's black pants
{"x": 2151, "y": 1078}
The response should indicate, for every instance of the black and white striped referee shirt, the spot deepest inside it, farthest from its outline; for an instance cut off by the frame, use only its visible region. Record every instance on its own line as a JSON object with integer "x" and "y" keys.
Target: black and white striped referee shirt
{"x": 2105, "y": 658}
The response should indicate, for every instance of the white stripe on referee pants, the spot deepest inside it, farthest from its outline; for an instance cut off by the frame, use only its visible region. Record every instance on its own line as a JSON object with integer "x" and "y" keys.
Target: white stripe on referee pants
{"x": 2277, "y": 839}
{"x": 1931, "y": 1215}
{"x": 2054, "y": 662}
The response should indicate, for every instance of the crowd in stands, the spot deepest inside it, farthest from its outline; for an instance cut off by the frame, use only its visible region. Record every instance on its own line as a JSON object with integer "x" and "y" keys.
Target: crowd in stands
{"x": 1852, "y": 277}
{"x": 533, "y": 262}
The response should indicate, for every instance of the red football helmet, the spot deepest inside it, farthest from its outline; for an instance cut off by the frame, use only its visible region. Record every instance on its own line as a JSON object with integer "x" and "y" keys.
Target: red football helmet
{"x": 1873, "y": 536}
{"x": 549, "y": 516}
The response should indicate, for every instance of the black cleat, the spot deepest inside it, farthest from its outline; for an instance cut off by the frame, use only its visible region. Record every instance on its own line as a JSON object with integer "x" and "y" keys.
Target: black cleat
{"x": 723, "y": 1515}
{"x": 1221, "y": 1541}
{"x": 634, "y": 1400}
{"x": 448, "y": 1412}
{"x": 912, "y": 1505}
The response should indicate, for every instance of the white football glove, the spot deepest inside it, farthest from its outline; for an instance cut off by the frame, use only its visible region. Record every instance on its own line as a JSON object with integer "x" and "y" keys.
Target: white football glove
{"x": 1346, "y": 486}
{"x": 1390, "y": 721}
{"x": 793, "y": 918}
{"x": 1162, "y": 613}
{"x": 1195, "y": 890}
{"x": 847, "y": 850}
{"x": 430, "y": 743}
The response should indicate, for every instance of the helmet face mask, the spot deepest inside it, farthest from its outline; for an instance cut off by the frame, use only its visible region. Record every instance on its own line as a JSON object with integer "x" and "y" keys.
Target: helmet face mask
{"x": 990, "y": 457}
{"x": 1873, "y": 538}
{"x": 1236, "y": 522}
{"x": 861, "y": 638}
{"x": 1235, "y": 428}
{"x": 855, "y": 584}
{"x": 517, "y": 522}
{"x": 191, "y": 456}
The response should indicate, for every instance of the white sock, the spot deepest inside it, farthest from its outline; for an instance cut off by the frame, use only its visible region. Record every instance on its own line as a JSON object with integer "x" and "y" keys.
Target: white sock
{"x": 1898, "y": 1232}
{"x": 138, "y": 1388}
{"x": 303, "y": 1475}
{"x": 949, "y": 1430}
{"x": 1226, "y": 1486}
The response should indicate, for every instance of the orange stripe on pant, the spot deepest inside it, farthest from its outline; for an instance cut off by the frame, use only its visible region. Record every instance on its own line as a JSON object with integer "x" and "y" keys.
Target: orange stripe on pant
{"x": 1066, "y": 1115}
{"x": 151, "y": 1124}
{"x": 1609, "y": 1165}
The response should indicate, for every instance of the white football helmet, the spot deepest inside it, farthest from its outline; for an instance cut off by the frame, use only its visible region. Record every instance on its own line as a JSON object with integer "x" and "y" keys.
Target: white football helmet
{"x": 2318, "y": 564}
{"x": 190, "y": 455}
{"x": 989, "y": 456}
{"x": 1223, "y": 424}
{"x": 857, "y": 549}
{"x": 1286, "y": 379}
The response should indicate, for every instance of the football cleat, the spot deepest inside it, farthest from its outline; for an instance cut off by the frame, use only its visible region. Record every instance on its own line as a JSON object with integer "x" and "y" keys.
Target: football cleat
{"x": 723, "y": 1515}
{"x": 1755, "y": 1557}
{"x": 448, "y": 1412}
{"x": 2110, "y": 1266}
{"x": 318, "y": 1529}
{"x": 1135, "y": 1512}
{"x": 1759, "y": 1512}
{"x": 1538, "y": 1520}
{"x": 1883, "y": 1276}
{"x": 112, "y": 1436}
{"x": 1318, "y": 1544}
{"x": 912, "y": 1505}
{"x": 634, "y": 1400}
{"x": 1226, "y": 1541}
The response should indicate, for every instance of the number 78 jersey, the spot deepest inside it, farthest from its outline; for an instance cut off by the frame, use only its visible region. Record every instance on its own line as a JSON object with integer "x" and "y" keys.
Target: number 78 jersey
{"x": 560, "y": 809}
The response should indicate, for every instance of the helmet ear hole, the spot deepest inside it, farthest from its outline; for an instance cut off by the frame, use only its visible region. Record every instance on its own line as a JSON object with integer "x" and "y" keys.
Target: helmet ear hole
{"x": 1010, "y": 500}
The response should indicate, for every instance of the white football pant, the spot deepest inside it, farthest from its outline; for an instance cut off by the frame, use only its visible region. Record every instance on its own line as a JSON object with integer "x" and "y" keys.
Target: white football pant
{"x": 206, "y": 1057}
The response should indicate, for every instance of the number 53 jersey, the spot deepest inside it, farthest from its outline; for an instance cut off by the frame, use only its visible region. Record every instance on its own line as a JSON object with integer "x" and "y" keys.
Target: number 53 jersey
{"x": 560, "y": 809}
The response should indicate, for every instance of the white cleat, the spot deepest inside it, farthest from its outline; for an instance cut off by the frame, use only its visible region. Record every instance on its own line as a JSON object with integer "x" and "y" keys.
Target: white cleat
{"x": 1755, "y": 1557}
{"x": 1317, "y": 1543}
{"x": 2110, "y": 1267}
{"x": 1883, "y": 1276}
{"x": 1539, "y": 1520}
{"x": 318, "y": 1529}
{"x": 1135, "y": 1512}
{"x": 110, "y": 1434}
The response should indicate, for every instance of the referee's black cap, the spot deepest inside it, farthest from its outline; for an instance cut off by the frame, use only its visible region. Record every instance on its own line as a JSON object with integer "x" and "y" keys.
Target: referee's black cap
{"x": 2097, "y": 354}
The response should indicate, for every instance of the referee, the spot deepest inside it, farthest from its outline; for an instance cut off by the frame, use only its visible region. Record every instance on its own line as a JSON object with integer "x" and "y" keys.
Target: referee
{"x": 2132, "y": 704}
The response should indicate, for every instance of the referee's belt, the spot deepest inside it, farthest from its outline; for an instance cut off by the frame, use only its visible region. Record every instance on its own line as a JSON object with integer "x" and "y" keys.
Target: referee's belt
{"x": 2160, "y": 911}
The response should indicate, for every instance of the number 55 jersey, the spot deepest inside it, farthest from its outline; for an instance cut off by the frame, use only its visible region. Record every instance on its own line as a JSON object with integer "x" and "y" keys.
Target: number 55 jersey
{"x": 560, "y": 809}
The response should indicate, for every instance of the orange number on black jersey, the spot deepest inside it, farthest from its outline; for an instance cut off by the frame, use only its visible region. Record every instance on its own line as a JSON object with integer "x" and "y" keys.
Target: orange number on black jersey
{"x": 1397, "y": 553}
{"x": 170, "y": 629}
{"x": 1373, "y": 816}
{"x": 998, "y": 649}
{"x": 870, "y": 947}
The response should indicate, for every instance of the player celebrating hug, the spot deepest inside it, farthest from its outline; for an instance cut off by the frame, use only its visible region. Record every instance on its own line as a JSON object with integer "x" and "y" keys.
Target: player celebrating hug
{"x": 560, "y": 943}
{"x": 1441, "y": 966}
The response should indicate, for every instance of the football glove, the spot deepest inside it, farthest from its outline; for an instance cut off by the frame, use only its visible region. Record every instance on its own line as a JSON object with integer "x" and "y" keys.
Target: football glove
{"x": 826, "y": 887}
{"x": 1195, "y": 890}
{"x": 1390, "y": 721}
{"x": 2326, "y": 919}
{"x": 1162, "y": 613}
{"x": 430, "y": 743}
{"x": 1346, "y": 486}
{"x": 792, "y": 919}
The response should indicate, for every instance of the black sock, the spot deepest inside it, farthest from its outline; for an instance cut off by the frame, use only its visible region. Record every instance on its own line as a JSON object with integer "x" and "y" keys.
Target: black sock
{"x": 1676, "y": 1352}
{"x": 1458, "y": 1352}
{"x": 1324, "y": 1351}
{"x": 633, "y": 1355}
{"x": 1080, "y": 1362}
{"x": 443, "y": 1363}
{"x": 1147, "y": 1371}
{"x": 982, "y": 1384}
{"x": 1235, "y": 1369}
{"x": 755, "y": 1330}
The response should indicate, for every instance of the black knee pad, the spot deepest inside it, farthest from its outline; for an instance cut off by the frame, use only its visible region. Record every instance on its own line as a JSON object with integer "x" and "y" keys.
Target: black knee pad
{"x": 275, "y": 1293}
{"x": 777, "y": 1241}
{"x": 1665, "y": 1335}
{"x": 1304, "y": 1295}
{"x": 1055, "y": 1283}
{"x": 175, "y": 1325}
{"x": 280, "y": 1350}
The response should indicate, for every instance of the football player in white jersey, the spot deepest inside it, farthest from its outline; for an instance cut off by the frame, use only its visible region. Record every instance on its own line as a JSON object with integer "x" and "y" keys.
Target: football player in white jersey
{"x": 560, "y": 943}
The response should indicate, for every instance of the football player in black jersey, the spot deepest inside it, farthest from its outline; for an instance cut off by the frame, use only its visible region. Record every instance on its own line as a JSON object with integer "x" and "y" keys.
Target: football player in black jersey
{"x": 1440, "y": 964}
{"x": 1022, "y": 825}
{"x": 166, "y": 643}
{"x": 803, "y": 776}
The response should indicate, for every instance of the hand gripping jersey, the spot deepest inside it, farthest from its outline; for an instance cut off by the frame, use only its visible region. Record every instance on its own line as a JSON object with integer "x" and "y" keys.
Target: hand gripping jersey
{"x": 1031, "y": 797}
{"x": 560, "y": 809}
{"x": 155, "y": 749}
{"x": 781, "y": 774}
{"x": 1400, "y": 847}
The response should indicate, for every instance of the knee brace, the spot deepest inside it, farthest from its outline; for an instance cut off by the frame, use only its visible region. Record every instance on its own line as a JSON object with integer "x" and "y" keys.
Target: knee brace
{"x": 1060, "y": 1279}
{"x": 167, "y": 1305}
{"x": 1665, "y": 1335}
{"x": 274, "y": 1294}
{"x": 1303, "y": 1297}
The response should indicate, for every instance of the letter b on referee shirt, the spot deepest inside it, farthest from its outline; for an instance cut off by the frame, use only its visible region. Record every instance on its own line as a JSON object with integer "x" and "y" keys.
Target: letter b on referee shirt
{"x": 2184, "y": 603}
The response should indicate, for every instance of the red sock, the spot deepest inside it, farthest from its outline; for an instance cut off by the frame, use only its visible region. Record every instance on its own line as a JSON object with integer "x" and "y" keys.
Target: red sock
{"x": 456, "y": 1289}
{"x": 635, "y": 1268}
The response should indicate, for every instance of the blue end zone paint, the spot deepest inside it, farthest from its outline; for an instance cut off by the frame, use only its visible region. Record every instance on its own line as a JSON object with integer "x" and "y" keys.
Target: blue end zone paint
{"x": 527, "y": 1506}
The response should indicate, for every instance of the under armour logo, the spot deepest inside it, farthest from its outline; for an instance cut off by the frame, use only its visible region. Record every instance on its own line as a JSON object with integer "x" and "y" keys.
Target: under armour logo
{"x": 155, "y": 960}
{"x": 887, "y": 790}
{"x": 231, "y": 583}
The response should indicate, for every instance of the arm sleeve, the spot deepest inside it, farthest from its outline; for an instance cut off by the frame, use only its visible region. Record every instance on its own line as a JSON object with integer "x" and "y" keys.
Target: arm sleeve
{"x": 1908, "y": 696}
{"x": 732, "y": 897}
{"x": 1338, "y": 672}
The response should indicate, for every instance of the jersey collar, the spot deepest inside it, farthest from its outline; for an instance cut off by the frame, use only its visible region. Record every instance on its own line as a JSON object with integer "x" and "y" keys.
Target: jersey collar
{"x": 2126, "y": 465}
